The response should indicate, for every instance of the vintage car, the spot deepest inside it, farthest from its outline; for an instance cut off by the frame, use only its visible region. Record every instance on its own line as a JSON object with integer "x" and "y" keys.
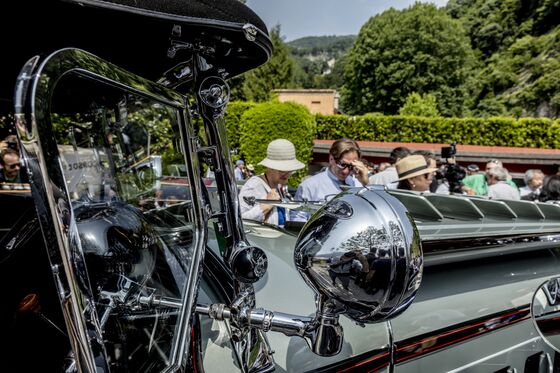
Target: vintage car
{"x": 108, "y": 264}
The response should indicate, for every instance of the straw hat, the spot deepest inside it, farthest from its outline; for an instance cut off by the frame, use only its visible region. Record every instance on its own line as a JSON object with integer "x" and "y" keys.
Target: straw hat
{"x": 412, "y": 166}
{"x": 281, "y": 156}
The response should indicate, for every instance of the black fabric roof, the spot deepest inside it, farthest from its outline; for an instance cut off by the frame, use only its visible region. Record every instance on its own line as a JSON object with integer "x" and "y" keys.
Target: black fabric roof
{"x": 134, "y": 34}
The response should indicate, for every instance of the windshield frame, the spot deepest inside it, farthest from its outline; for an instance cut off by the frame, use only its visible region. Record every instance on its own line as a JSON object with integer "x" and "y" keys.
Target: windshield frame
{"x": 35, "y": 85}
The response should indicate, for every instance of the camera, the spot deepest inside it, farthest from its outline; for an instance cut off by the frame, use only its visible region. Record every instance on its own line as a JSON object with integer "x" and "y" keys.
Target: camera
{"x": 449, "y": 151}
{"x": 451, "y": 172}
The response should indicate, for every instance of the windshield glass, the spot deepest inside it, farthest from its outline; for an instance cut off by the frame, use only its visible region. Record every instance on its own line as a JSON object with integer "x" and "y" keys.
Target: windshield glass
{"x": 135, "y": 223}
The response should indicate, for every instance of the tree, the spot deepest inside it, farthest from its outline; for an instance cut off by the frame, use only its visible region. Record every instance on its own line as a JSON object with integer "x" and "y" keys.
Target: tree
{"x": 334, "y": 79}
{"x": 276, "y": 73}
{"x": 419, "y": 49}
{"x": 420, "y": 105}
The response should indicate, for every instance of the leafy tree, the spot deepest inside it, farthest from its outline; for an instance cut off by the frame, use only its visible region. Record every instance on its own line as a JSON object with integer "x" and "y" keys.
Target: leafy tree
{"x": 335, "y": 78}
{"x": 305, "y": 70}
{"x": 236, "y": 88}
{"x": 276, "y": 73}
{"x": 419, "y": 49}
{"x": 420, "y": 105}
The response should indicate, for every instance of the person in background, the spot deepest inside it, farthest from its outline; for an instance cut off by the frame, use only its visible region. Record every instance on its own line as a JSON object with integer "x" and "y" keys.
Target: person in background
{"x": 280, "y": 163}
{"x": 239, "y": 170}
{"x": 477, "y": 184}
{"x": 249, "y": 171}
{"x": 10, "y": 142}
{"x": 370, "y": 167}
{"x": 498, "y": 188}
{"x": 534, "y": 179}
{"x": 432, "y": 163}
{"x": 345, "y": 168}
{"x": 383, "y": 166}
{"x": 472, "y": 169}
{"x": 389, "y": 174}
{"x": 415, "y": 173}
{"x": 551, "y": 189}
{"x": 11, "y": 167}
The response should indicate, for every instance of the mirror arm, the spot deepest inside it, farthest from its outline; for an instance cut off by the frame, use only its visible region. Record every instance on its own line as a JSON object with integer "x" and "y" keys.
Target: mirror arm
{"x": 323, "y": 333}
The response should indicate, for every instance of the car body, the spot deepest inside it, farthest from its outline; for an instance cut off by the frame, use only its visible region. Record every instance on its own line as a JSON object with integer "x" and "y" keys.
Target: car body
{"x": 114, "y": 265}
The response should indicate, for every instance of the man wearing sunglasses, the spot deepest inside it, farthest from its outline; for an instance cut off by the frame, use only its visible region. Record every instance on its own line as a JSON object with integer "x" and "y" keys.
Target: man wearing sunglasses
{"x": 11, "y": 167}
{"x": 345, "y": 168}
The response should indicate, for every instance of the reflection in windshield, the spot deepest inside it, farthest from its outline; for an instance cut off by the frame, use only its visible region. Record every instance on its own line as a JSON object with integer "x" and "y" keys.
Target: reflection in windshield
{"x": 135, "y": 230}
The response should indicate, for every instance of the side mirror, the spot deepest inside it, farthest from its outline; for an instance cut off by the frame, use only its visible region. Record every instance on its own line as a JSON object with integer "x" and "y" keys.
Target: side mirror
{"x": 361, "y": 255}
{"x": 545, "y": 312}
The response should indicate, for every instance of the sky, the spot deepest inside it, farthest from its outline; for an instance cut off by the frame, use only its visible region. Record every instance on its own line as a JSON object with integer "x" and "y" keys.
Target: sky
{"x": 299, "y": 18}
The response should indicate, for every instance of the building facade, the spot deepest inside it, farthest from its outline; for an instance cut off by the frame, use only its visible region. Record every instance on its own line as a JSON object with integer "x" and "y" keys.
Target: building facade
{"x": 318, "y": 101}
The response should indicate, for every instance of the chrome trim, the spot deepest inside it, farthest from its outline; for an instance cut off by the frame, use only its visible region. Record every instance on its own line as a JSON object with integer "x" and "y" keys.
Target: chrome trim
{"x": 250, "y": 344}
{"x": 37, "y": 79}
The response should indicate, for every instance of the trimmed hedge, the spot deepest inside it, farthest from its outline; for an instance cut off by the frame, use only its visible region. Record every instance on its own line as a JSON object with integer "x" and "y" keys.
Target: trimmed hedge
{"x": 234, "y": 111}
{"x": 524, "y": 132}
{"x": 275, "y": 120}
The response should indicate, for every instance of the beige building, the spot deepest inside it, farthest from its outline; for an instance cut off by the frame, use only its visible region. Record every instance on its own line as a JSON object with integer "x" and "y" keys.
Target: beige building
{"x": 318, "y": 101}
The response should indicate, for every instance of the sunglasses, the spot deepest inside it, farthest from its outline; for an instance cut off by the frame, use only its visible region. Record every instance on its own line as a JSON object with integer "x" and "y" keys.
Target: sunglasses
{"x": 343, "y": 165}
{"x": 13, "y": 166}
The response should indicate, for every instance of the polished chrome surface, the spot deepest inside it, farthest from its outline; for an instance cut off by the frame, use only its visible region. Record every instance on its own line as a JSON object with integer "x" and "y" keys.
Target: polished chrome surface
{"x": 360, "y": 253}
{"x": 362, "y": 250}
{"x": 214, "y": 92}
{"x": 545, "y": 312}
{"x": 75, "y": 218}
{"x": 247, "y": 262}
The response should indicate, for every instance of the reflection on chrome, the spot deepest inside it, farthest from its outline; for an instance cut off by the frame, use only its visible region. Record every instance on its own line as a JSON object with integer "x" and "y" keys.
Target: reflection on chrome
{"x": 361, "y": 254}
{"x": 545, "y": 311}
{"x": 364, "y": 255}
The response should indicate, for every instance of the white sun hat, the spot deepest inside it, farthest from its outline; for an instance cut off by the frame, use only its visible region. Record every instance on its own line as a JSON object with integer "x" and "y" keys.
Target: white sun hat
{"x": 281, "y": 156}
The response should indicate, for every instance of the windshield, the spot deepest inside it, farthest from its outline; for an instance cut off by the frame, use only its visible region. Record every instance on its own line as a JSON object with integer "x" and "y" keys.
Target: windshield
{"x": 128, "y": 243}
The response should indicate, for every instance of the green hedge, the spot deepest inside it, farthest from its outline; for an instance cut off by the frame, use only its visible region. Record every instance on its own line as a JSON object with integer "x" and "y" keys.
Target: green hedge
{"x": 234, "y": 111}
{"x": 525, "y": 132}
{"x": 274, "y": 120}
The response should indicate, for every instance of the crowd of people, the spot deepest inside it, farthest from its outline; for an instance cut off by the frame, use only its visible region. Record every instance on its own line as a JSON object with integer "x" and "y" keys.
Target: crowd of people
{"x": 407, "y": 170}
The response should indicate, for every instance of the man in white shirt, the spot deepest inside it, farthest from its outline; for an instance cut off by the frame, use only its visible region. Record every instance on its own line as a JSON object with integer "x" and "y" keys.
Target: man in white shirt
{"x": 498, "y": 188}
{"x": 534, "y": 179}
{"x": 345, "y": 168}
{"x": 389, "y": 175}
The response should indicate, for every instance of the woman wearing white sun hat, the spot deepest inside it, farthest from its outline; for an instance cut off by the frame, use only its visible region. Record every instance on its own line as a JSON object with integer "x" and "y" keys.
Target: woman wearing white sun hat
{"x": 280, "y": 163}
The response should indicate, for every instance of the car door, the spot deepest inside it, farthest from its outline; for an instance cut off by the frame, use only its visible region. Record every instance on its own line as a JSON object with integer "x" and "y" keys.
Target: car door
{"x": 126, "y": 270}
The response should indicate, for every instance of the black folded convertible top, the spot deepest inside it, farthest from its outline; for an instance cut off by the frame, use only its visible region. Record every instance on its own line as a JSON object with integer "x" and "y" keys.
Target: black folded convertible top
{"x": 135, "y": 34}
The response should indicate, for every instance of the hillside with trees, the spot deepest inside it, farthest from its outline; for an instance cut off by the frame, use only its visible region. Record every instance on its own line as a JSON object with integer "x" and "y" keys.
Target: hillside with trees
{"x": 471, "y": 58}
{"x": 477, "y": 57}
{"x": 518, "y": 47}
{"x": 319, "y": 60}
